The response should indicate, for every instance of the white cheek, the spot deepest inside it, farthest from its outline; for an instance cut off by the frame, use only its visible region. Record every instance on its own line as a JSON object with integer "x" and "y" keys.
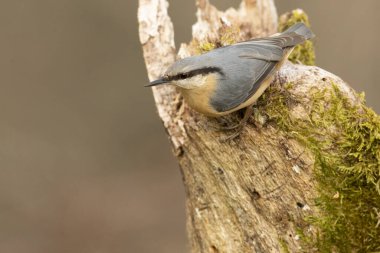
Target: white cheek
{"x": 191, "y": 83}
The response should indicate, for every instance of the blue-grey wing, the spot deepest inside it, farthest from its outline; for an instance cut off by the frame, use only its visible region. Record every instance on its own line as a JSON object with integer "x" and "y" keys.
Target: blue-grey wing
{"x": 235, "y": 88}
{"x": 247, "y": 64}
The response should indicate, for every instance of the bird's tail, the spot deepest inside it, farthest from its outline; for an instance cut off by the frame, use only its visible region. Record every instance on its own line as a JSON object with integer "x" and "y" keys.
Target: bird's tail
{"x": 296, "y": 34}
{"x": 300, "y": 29}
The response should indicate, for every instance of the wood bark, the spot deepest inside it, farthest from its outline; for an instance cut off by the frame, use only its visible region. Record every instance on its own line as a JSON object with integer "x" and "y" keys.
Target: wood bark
{"x": 249, "y": 194}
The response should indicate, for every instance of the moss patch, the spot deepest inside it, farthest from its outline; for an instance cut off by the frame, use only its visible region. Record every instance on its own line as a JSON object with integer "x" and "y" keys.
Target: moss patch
{"x": 228, "y": 35}
{"x": 305, "y": 52}
{"x": 345, "y": 140}
{"x": 284, "y": 246}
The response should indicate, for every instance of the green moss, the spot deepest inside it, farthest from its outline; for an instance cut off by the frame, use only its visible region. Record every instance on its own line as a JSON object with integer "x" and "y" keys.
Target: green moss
{"x": 228, "y": 35}
{"x": 345, "y": 140}
{"x": 204, "y": 47}
{"x": 304, "y": 53}
{"x": 284, "y": 246}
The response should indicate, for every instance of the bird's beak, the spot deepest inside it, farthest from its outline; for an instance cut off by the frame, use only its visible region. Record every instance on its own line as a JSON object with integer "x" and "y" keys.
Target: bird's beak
{"x": 157, "y": 82}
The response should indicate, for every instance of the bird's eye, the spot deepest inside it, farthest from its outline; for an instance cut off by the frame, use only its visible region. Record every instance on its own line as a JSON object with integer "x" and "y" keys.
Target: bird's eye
{"x": 183, "y": 76}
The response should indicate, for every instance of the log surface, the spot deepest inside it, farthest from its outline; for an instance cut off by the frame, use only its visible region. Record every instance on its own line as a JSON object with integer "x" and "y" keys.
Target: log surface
{"x": 249, "y": 194}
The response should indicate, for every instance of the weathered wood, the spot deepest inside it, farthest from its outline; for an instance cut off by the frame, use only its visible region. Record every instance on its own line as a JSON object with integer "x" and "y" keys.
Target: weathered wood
{"x": 250, "y": 194}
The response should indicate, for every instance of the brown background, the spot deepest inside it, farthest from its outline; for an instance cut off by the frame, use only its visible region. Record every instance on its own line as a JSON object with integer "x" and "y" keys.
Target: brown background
{"x": 85, "y": 163}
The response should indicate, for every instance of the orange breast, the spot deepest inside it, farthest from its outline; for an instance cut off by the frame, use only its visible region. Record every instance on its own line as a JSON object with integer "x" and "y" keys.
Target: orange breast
{"x": 199, "y": 98}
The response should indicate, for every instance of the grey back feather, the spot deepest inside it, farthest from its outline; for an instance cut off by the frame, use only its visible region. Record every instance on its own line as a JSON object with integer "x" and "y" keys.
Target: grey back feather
{"x": 247, "y": 64}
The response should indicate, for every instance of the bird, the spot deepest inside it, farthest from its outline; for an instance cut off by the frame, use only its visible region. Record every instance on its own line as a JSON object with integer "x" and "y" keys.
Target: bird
{"x": 233, "y": 77}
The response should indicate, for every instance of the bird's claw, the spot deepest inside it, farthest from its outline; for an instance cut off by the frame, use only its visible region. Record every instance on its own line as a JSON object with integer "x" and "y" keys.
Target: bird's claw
{"x": 239, "y": 128}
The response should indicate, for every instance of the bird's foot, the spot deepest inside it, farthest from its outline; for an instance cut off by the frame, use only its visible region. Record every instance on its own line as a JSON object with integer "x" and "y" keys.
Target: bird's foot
{"x": 238, "y": 127}
{"x": 238, "y": 130}
{"x": 230, "y": 127}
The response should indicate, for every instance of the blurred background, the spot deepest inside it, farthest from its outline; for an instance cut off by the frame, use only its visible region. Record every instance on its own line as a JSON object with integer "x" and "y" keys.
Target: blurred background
{"x": 85, "y": 165}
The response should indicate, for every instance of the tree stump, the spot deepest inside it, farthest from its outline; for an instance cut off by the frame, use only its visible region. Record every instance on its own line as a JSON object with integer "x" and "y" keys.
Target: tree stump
{"x": 255, "y": 193}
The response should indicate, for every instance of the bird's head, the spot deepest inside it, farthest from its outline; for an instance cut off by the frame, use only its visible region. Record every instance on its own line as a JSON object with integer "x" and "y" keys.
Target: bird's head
{"x": 188, "y": 73}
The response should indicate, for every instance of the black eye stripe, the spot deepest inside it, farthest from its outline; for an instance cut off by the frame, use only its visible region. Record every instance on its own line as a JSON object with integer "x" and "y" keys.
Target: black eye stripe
{"x": 202, "y": 71}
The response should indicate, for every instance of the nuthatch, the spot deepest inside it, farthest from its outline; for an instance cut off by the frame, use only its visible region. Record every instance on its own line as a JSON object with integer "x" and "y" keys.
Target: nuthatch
{"x": 233, "y": 77}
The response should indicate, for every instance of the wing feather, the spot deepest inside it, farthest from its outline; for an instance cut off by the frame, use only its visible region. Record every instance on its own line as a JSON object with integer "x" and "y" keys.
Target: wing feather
{"x": 247, "y": 64}
{"x": 236, "y": 91}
